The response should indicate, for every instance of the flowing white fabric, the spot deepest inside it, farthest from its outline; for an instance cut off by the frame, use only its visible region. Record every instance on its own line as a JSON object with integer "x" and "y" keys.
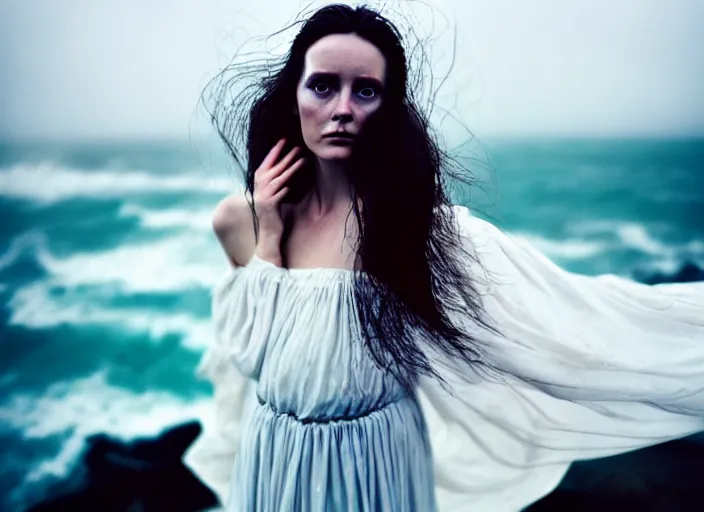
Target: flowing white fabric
{"x": 588, "y": 367}
{"x": 593, "y": 366}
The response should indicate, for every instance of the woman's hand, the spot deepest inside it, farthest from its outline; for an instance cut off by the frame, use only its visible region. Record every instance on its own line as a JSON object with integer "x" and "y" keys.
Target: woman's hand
{"x": 269, "y": 189}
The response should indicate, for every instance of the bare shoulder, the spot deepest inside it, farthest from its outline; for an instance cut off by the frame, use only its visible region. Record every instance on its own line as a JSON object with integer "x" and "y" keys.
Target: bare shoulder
{"x": 233, "y": 224}
{"x": 230, "y": 212}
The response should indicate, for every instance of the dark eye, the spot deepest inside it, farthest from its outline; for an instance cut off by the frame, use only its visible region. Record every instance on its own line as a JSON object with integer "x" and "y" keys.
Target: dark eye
{"x": 367, "y": 92}
{"x": 321, "y": 87}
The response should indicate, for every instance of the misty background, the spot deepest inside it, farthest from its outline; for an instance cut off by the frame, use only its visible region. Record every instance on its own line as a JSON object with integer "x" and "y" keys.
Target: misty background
{"x": 127, "y": 68}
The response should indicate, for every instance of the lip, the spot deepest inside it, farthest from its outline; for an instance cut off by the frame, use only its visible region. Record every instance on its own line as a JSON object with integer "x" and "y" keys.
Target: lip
{"x": 339, "y": 135}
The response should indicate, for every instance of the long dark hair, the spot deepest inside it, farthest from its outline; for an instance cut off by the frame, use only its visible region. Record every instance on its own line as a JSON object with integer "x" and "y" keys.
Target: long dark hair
{"x": 416, "y": 287}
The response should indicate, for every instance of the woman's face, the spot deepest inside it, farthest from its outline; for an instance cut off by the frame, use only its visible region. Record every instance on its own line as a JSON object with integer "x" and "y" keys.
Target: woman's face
{"x": 341, "y": 86}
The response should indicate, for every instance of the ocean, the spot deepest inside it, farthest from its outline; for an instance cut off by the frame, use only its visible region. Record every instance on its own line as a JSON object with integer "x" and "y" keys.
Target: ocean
{"x": 107, "y": 259}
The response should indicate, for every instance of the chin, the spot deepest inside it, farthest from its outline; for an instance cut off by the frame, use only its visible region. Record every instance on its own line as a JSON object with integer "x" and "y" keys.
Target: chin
{"x": 338, "y": 153}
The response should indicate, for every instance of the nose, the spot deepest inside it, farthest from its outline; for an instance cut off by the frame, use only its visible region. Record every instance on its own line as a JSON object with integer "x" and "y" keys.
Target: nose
{"x": 343, "y": 108}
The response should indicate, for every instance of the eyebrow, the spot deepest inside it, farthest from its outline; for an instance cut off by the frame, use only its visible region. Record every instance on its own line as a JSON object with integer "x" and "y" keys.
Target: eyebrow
{"x": 334, "y": 76}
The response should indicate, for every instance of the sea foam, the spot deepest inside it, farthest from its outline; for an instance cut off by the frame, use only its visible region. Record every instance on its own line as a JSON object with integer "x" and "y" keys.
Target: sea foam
{"x": 34, "y": 307}
{"x": 177, "y": 262}
{"x": 570, "y": 248}
{"x": 49, "y": 183}
{"x": 171, "y": 218}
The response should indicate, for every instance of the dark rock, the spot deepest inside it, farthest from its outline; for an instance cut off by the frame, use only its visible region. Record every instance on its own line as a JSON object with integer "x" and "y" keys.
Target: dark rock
{"x": 663, "y": 478}
{"x": 138, "y": 476}
{"x": 688, "y": 273}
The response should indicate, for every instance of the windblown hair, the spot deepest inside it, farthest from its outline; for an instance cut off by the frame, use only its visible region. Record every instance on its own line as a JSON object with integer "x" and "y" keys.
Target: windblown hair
{"x": 415, "y": 284}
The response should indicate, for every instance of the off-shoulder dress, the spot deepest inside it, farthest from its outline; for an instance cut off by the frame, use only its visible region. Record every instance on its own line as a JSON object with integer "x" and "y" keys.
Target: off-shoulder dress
{"x": 305, "y": 421}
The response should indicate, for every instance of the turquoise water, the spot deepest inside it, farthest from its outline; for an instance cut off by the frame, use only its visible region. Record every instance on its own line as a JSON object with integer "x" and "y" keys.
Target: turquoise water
{"x": 107, "y": 257}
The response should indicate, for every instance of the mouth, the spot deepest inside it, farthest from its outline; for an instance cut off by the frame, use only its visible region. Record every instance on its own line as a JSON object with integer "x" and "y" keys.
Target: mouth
{"x": 339, "y": 135}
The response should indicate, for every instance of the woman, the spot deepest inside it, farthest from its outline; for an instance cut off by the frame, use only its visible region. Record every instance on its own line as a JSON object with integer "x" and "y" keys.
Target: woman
{"x": 380, "y": 349}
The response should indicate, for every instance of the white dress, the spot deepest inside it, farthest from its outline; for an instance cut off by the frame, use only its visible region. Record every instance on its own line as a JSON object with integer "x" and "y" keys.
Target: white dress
{"x": 590, "y": 367}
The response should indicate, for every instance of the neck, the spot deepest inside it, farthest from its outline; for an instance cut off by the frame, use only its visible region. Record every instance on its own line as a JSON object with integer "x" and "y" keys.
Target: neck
{"x": 332, "y": 188}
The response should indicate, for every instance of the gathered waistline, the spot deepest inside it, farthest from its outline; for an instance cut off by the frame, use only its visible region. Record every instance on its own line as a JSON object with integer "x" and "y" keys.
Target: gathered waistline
{"x": 328, "y": 420}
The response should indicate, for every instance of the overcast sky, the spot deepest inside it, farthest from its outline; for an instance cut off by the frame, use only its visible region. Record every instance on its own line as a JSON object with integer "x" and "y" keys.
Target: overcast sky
{"x": 135, "y": 68}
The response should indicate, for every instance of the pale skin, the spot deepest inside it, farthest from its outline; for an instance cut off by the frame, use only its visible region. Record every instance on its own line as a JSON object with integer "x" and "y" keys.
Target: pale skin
{"x": 340, "y": 87}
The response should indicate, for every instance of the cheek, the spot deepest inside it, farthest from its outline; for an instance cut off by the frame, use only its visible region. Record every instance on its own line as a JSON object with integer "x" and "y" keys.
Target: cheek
{"x": 309, "y": 112}
{"x": 366, "y": 111}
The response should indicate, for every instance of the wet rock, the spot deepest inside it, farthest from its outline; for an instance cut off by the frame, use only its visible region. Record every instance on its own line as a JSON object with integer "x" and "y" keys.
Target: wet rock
{"x": 144, "y": 475}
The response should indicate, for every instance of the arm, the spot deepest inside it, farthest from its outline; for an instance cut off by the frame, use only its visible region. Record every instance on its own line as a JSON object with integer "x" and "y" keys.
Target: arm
{"x": 233, "y": 224}
{"x": 243, "y": 229}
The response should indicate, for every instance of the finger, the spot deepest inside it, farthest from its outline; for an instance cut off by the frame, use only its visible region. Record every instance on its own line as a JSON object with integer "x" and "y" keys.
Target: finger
{"x": 284, "y": 176}
{"x": 280, "y": 195}
{"x": 286, "y": 161}
{"x": 273, "y": 155}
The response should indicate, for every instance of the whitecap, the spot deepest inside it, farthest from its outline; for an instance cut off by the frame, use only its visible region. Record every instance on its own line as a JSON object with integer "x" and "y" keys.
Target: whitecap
{"x": 34, "y": 307}
{"x": 636, "y": 236}
{"x": 29, "y": 241}
{"x": 172, "y": 263}
{"x": 568, "y": 248}
{"x": 169, "y": 218}
{"x": 639, "y": 237}
{"x": 48, "y": 182}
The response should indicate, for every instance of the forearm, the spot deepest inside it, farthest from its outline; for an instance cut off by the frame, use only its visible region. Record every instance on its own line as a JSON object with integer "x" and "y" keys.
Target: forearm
{"x": 269, "y": 248}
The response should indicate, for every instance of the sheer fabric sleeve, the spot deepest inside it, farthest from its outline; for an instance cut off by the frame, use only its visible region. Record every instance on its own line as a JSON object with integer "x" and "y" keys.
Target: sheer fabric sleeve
{"x": 585, "y": 367}
{"x": 243, "y": 303}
